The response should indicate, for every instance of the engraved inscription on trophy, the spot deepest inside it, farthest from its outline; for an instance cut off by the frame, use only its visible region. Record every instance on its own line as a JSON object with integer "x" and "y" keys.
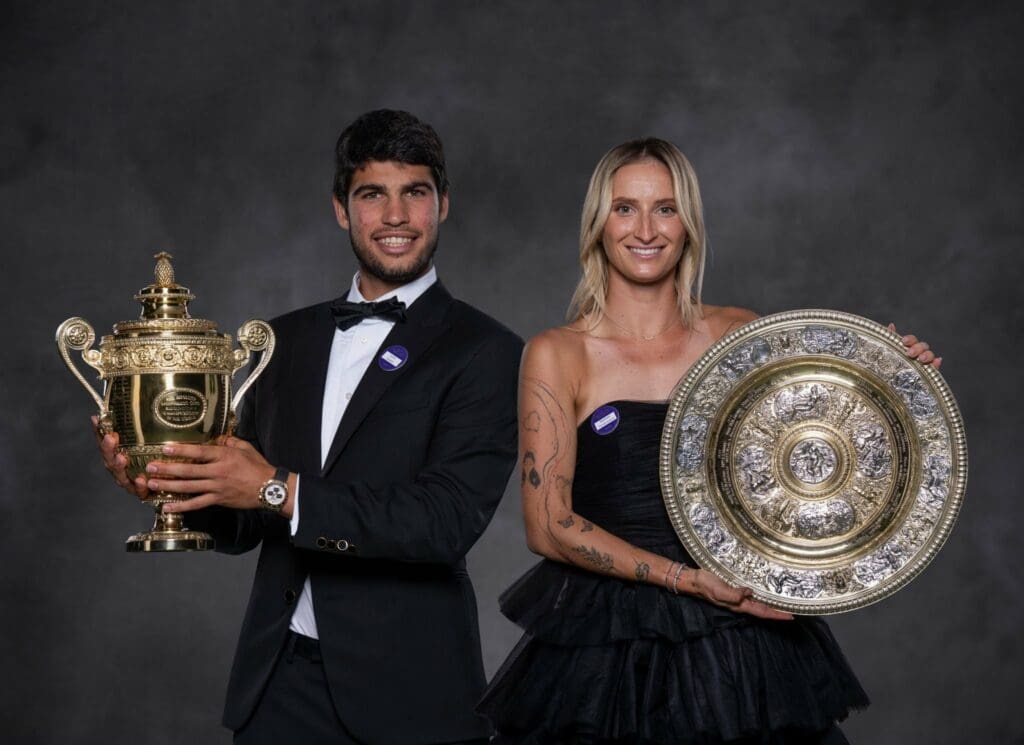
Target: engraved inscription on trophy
{"x": 180, "y": 408}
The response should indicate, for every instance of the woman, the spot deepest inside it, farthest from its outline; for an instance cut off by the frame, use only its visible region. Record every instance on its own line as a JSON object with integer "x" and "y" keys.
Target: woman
{"x": 626, "y": 640}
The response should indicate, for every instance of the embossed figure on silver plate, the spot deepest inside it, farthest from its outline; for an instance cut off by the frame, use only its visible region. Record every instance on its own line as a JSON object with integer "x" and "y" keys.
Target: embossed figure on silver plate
{"x": 798, "y": 402}
{"x": 794, "y": 584}
{"x": 935, "y": 481}
{"x": 741, "y": 361}
{"x": 875, "y": 567}
{"x": 755, "y": 468}
{"x": 813, "y": 460}
{"x": 825, "y": 340}
{"x": 874, "y": 458}
{"x": 690, "y": 451}
{"x": 819, "y": 520}
{"x": 912, "y": 390}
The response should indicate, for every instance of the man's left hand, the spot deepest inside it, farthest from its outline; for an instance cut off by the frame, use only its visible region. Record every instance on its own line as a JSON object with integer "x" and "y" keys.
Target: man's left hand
{"x": 228, "y": 474}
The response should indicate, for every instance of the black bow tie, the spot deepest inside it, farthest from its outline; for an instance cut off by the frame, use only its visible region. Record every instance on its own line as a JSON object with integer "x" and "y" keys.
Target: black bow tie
{"x": 347, "y": 314}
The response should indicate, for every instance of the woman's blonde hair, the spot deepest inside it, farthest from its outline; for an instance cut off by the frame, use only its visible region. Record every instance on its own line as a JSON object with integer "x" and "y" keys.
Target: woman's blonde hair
{"x": 590, "y": 295}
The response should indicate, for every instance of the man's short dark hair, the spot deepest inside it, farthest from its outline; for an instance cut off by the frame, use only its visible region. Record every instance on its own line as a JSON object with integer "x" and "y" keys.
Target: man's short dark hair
{"x": 385, "y": 135}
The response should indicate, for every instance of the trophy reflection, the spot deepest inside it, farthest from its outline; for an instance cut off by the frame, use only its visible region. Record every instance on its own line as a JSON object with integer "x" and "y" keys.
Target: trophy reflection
{"x": 167, "y": 380}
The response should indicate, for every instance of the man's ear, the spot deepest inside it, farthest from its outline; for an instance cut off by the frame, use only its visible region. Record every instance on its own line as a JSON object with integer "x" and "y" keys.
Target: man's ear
{"x": 442, "y": 208}
{"x": 340, "y": 213}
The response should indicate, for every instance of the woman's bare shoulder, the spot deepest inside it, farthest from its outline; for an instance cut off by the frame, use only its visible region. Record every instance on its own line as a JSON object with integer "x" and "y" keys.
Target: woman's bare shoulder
{"x": 558, "y": 350}
{"x": 722, "y": 319}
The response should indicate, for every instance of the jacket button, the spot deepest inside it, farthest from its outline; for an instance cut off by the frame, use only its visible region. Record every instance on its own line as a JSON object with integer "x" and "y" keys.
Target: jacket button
{"x": 289, "y": 596}
{"x": 342, "y": 545}
{"x": 331, "y": 545}
{"x": 321, "y": 542}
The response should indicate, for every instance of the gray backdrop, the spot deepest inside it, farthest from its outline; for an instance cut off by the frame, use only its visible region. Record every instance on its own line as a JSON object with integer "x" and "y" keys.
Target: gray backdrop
{"x": 859, "y": 156}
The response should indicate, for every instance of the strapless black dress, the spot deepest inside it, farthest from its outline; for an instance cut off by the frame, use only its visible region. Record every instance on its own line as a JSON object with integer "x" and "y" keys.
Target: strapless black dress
{"x": 606, "y": 660}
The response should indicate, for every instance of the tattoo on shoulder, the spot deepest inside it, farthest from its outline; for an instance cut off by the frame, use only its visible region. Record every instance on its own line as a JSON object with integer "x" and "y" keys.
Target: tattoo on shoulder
{"x": 587, "y": 526}
{"x": 568, "y": 522}
{"x": 604, "y": 562}
{"x": 642, "y": 570}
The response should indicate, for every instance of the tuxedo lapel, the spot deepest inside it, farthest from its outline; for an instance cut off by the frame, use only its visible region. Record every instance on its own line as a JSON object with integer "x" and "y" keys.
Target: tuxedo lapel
{"x": 309, "y": 363}
{"x": 425, "y": 322}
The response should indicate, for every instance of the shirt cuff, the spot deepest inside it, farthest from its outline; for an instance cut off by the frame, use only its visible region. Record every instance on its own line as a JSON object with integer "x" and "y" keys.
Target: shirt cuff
{"x": 295, "y": 507}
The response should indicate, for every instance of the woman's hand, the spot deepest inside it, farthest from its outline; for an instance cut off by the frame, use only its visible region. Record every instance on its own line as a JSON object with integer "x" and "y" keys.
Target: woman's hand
{"x": 918, "y": 350}
{"x": 704, "y": 584}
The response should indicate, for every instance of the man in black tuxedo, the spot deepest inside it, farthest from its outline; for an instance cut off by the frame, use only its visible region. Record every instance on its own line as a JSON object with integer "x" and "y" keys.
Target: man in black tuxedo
{"x": 370, "y": 456}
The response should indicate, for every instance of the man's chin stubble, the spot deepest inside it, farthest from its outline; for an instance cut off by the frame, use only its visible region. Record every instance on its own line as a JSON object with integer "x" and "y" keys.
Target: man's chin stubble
{"x": 368, "y": 264}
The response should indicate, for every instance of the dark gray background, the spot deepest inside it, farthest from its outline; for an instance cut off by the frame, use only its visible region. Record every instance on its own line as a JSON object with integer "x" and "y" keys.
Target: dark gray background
{"x": 859, "y": 156}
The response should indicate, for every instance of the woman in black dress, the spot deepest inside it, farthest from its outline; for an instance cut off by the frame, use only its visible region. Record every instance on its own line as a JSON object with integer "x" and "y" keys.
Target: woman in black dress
{"x": 626, "y": 641}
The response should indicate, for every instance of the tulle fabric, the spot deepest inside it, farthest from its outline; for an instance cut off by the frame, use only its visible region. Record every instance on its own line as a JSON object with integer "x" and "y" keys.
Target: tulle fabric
{"x": 608, "y": 661}
{"x": 620, "y": 662}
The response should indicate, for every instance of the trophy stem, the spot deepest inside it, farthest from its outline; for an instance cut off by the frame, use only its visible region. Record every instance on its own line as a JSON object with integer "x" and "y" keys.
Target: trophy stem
{"x": 169, "y": 533}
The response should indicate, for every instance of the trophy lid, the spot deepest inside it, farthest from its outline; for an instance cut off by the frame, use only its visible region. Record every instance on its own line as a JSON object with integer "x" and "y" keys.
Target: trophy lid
{"x": 164, "y": 298}
{"x": 164, "y": 305}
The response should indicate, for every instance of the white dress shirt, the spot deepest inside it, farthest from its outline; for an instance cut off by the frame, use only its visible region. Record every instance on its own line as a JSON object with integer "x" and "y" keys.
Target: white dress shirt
{"x": 352, "y": 352}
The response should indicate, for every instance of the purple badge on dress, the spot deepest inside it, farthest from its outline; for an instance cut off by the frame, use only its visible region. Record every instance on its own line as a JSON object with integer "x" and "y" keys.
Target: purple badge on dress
{"x": 604, "y": 420}
{"x": 393, "y": 358}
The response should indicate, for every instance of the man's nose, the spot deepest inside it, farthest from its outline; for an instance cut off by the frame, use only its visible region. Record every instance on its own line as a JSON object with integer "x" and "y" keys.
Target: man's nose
{"x": 395, "y": 212}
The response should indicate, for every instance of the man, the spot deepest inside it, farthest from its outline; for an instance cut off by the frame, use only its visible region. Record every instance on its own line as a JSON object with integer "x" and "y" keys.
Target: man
{"x": 373, "y": 451}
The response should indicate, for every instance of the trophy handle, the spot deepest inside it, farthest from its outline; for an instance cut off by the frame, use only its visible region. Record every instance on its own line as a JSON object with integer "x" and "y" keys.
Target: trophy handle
{"x": 76, "y": 333}
{"x": 253, "y": 336}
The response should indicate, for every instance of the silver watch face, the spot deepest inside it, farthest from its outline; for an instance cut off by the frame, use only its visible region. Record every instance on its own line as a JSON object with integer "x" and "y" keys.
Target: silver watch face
{"x": 274, "y": 493}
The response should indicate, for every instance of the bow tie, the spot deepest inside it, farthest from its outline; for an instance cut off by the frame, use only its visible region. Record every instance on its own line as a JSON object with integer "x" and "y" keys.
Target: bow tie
{"x": 347, "y": 314}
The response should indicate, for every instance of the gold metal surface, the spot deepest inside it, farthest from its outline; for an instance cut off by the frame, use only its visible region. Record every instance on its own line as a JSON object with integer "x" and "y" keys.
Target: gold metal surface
{"x": 167, "y": 379}
{"x": 806, "y": 457}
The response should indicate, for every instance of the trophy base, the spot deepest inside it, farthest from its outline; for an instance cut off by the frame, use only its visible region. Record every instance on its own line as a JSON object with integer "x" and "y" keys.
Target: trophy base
{"x": 169, "y": 533}
{"x": 169, "y": 540}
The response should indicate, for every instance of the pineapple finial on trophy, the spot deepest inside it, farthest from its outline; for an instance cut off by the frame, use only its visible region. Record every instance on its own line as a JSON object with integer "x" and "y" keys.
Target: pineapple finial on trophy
{"x": 164, "y": 271}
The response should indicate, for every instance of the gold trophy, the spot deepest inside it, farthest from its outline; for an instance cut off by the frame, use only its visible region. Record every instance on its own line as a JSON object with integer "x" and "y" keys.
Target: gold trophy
{"x": 167, "y": 379}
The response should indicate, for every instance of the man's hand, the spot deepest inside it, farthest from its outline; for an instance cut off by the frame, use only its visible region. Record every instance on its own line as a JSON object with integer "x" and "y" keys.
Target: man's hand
{"x": 918, "y": 350}
{"x": 229, "y": 475}
{"x": 116, "y": 464}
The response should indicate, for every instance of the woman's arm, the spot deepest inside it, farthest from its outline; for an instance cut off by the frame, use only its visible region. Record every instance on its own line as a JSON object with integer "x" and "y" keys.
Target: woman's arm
{"x": 547, "y": 454}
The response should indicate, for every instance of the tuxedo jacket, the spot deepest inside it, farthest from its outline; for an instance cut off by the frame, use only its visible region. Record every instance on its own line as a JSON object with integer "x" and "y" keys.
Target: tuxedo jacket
{"x": 416, "y": 470}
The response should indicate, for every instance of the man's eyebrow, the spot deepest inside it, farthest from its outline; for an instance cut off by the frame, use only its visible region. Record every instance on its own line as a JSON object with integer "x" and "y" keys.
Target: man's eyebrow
{"x": 363, "y": 188}
{"x": 428, "y": 185}
{"x": 368, "y": 187}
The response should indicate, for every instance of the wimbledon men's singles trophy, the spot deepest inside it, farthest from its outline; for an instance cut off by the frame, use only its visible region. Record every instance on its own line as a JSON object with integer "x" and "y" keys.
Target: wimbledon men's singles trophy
{"x": 167, "y": 379}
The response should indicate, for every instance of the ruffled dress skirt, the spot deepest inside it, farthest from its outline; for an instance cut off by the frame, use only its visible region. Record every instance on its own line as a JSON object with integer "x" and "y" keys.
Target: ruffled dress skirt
{"x": 609, "y": 661}
{"x": 606, "y": 661}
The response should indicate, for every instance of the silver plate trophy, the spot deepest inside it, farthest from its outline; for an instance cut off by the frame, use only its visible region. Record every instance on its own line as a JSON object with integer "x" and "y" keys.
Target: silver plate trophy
{"x": 806, "y": 457}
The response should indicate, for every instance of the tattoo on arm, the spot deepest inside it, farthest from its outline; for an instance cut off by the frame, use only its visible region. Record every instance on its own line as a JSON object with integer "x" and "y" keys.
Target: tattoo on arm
{"x": 642, "y": 570}
{"x": 603, "y": 562}
{"x": 587, "y": 526}
{"x": 548, "y": 420}
{"x": 532, "y": 422}
{"x": 529, "y": 470}
{"x": 568, "y": 522}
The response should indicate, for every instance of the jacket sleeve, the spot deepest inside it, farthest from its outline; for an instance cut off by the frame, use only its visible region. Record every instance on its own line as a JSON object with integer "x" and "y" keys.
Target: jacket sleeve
{"x": 438, "y": 516}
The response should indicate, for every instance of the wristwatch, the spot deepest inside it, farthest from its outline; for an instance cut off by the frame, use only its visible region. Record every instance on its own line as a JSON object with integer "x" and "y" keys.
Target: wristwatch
{"x": 274, "y": 492}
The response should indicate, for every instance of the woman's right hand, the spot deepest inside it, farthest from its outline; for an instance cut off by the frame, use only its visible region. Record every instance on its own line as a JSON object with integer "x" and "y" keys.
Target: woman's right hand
{"x": 704, "y": 584}
{"x": 116, "y": 464}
